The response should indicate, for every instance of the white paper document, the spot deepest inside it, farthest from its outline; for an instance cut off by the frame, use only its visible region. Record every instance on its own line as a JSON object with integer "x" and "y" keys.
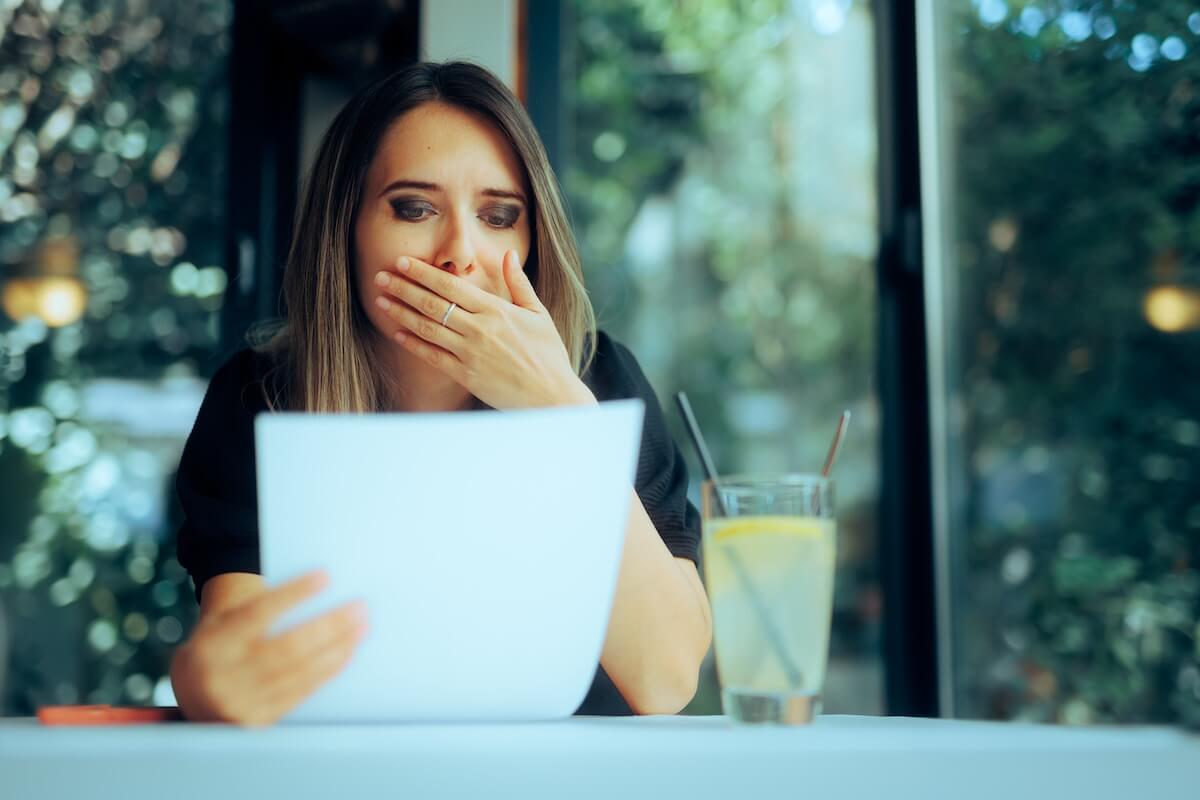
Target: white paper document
{"x": 486, "y": 546}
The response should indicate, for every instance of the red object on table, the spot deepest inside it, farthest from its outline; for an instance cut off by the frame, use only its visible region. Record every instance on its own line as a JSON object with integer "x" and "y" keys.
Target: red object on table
{"x": 106, "y": 715}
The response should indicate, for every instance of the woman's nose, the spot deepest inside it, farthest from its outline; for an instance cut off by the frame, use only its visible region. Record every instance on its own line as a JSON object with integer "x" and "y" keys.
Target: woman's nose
{"x": 456, "y": 252}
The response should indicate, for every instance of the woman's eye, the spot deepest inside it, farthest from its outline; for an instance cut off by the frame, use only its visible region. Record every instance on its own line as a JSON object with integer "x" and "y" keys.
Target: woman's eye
{"x": 500, "y": 216}
{"x": 410, "y": 211}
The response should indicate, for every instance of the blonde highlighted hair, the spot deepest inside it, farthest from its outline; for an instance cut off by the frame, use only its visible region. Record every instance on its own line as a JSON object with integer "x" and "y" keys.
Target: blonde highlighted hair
{"x": 324, "y": 346}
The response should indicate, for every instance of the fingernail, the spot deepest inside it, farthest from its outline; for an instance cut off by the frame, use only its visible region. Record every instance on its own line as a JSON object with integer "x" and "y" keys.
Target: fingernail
{"x": 381, "y": 278}
{"x": 402, "y": 264}
{"x": 401, "y": 337}
{"x": 358, "y": 611}
{"x": 383, "y": 303}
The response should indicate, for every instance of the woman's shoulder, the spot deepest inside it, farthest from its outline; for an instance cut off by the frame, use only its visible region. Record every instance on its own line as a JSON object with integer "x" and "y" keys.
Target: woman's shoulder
{"x": 250, "y": 378}
{"x": 614, "y": 372}
{"x": 223, "y": 433}
{"x": 605, "y": 348}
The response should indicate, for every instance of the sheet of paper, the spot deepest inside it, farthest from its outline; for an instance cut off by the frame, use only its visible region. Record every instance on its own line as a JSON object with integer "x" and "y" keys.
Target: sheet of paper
{"x": 486, "y": 546}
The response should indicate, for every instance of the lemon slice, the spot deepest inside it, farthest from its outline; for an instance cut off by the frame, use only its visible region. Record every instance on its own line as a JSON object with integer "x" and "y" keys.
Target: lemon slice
{"x": 789, "y": 526}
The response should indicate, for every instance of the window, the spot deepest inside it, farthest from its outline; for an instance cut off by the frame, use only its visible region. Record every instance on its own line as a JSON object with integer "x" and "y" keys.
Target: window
{"x": 720, "y": 168}
{"x": 1063, "y": 262}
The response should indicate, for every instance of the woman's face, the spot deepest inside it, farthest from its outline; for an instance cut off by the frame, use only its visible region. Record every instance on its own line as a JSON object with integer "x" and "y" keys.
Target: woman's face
{"x": 445, "y": 187}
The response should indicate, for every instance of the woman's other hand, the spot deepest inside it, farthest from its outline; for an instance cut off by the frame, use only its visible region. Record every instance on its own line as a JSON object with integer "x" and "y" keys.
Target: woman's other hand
{"x": 233, "y": 669}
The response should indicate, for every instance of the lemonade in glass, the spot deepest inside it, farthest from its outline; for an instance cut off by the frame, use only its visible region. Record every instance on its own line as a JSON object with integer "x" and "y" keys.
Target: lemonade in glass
{"x": 770, "y": 547}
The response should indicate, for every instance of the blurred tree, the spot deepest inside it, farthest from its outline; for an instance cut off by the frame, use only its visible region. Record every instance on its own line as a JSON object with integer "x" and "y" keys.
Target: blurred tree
{"x": 691, "y": 102}
{"x": 1076, "y": 161}
{"x": 112, "y": 137}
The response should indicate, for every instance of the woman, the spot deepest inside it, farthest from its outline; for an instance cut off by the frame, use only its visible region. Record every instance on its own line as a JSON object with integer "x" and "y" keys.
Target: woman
{"x": 432, "y": 269}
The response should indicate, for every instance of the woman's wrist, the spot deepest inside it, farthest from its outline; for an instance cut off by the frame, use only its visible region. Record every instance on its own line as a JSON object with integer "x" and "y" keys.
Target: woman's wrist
{"x": 574, "y": 393}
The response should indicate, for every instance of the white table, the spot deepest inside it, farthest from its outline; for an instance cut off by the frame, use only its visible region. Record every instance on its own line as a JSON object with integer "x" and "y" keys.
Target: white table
{"x": 659, "y": 757}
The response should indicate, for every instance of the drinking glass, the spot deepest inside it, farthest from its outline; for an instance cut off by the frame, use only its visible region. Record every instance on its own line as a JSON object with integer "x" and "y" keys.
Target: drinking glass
{"x": 769, "y": 551}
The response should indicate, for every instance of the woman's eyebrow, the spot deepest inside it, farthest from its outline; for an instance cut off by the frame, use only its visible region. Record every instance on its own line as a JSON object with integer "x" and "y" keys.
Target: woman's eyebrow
{"x": 510, "y": 194}
{"x": 406, "y": 184}
{"x": 426, "y": 186}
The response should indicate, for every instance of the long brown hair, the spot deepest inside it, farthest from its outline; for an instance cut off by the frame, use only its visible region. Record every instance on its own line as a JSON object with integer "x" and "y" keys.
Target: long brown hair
{"x": 324, "y": 347}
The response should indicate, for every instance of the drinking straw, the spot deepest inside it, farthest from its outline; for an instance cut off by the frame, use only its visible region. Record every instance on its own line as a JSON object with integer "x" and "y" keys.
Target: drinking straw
{"x": 774, "y": 638}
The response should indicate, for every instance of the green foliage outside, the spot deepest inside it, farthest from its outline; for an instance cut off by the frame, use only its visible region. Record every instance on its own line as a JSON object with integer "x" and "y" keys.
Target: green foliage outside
{"x": 1075, "y": 190}
{"x": 113, "y": 135}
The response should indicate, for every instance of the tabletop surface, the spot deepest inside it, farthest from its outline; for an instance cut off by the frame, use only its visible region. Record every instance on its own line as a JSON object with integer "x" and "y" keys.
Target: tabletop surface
{"x": 696, "y": 757}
